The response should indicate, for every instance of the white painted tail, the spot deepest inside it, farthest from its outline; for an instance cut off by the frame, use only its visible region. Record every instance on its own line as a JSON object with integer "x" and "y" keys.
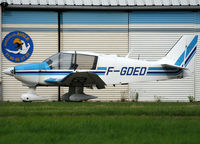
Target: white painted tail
{"x": 182, "y": 53}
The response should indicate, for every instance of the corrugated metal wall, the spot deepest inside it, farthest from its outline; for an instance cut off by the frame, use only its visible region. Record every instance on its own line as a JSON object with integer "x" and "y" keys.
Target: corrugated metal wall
{"x": 152, "y": 34}
{"x": 147, "y": 34}
{"x": 197, "y": 59}
{"x": 1, "y": 96}
{"x": 42, "y": 28}
{"x": 101, "y": 32}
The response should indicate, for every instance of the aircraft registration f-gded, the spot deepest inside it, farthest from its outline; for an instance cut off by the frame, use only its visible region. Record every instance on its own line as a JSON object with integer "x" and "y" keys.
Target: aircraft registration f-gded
{"x": 76, "y": 70}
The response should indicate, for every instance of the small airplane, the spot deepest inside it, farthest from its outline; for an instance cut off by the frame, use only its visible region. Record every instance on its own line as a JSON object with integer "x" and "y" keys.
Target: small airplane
{"x": 76, "y": 70}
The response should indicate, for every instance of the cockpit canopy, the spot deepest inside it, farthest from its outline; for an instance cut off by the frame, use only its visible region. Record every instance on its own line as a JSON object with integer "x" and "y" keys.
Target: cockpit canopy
{"x": 72, "y": 61}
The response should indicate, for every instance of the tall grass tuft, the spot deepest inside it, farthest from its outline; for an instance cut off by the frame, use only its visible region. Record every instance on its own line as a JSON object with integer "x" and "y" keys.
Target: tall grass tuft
{"x": 191, "y": 99}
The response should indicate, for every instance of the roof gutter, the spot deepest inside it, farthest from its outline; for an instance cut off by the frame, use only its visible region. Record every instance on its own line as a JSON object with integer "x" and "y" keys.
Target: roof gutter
{"x": 87, "y": 7}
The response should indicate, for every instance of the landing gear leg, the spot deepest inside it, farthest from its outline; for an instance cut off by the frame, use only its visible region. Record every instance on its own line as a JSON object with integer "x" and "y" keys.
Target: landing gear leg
{"x": 31, "y": 95}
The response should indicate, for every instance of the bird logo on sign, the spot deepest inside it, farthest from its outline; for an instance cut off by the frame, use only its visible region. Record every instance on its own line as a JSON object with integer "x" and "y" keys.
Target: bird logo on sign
{"x": 17, "y": 46}
{"x": 20, "y": 46}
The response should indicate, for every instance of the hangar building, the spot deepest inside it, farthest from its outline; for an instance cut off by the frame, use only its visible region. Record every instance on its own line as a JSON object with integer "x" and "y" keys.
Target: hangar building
{"x": 146, "y": 28}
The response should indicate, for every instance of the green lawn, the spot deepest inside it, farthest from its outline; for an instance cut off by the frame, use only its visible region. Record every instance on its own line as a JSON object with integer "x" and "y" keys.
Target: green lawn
{"x": 97, "y": 123}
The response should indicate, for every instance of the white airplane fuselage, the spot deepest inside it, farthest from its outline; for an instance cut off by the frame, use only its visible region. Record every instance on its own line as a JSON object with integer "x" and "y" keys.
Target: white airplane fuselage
{"x": 110, "y": 68}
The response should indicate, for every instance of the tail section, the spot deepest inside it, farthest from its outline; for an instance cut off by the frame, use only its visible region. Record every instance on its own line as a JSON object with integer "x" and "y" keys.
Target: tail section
{"x": 182, "y": 53}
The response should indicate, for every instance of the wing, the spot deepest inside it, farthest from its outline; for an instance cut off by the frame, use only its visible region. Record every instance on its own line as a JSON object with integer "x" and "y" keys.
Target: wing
{"x": 79, "y": 79}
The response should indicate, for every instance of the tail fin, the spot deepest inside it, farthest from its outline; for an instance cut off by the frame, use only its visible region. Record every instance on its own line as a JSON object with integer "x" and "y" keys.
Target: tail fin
{"x": 182, "y": 53}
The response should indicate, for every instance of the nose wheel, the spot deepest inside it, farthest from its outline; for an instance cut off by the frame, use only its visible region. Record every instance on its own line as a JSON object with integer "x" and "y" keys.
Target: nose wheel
{"x": 31, "y": 95}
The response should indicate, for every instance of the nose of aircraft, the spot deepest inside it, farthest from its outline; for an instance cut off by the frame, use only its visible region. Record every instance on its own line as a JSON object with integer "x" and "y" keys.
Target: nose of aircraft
{"x": 9, "y": 71}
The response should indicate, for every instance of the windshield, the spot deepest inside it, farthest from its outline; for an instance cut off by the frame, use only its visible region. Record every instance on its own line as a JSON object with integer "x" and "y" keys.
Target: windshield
{"x": 61, "y": 61}
{"x": 72, "y": 61}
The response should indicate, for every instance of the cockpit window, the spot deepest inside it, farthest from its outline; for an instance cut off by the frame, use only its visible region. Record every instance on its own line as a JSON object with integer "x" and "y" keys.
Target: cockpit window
{"x": 61, "y": 61}
{"x": 72, "y": 61}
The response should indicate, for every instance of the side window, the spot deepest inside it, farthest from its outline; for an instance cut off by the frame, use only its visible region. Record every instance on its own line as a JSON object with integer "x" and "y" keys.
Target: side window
{"x": 66, "y": 61}
{"x": 86, "y": 62}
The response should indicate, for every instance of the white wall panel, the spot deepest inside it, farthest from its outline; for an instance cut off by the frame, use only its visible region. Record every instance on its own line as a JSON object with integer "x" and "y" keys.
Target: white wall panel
{"x": 197, "y": 71}
{"x": 107, "y": 43}
{"x": 0, "y": 46}
{"x": 150, "y": 39}
{"x": 101, "y": 36}
{"x": 45, "y": 43}
{"x": 197, "y": 61}
{"x": 153, "y": 46}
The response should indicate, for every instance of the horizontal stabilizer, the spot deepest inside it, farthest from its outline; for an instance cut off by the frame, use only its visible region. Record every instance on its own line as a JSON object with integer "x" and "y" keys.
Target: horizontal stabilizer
{"x": 168, "y": 66}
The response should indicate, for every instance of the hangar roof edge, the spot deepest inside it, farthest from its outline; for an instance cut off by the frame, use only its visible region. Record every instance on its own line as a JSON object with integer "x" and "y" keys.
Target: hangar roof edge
{"x": 103, "y": 4}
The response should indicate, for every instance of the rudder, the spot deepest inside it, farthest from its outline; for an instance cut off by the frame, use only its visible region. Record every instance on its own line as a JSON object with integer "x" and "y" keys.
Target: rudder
{"x": 182, "y": 53}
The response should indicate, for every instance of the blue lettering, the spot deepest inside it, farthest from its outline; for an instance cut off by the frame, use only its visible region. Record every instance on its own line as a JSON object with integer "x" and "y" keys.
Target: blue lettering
{"x": 143, "y": 71}
{"x": 130, "y": 70}
{"x": 109, "y": 70}
{"x": 136, "y": 71}
{"x": 123, "y": 71}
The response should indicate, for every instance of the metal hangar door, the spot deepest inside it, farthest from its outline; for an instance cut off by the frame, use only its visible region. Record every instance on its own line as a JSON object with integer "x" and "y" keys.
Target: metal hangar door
{"x": 152, "y": 34}
{"x": 97, "y": 31}
{"x": 42, "y": 27}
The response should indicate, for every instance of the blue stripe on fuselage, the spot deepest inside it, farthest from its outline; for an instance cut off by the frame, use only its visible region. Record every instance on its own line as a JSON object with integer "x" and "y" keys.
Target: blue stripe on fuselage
{"x": 53, "y": 72}
{"x": 43, "y": 72}
{"x": 101, "y": 68}
{"x": 164, "y": 73}
{"x": 160, "y": 68}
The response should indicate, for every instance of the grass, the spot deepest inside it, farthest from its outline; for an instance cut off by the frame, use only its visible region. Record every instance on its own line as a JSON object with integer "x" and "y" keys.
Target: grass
{"x": 96, "y": 123}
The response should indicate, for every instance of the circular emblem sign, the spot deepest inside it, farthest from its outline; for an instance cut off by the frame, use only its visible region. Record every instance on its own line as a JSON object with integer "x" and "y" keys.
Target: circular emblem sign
{"x": 17, "y": 46}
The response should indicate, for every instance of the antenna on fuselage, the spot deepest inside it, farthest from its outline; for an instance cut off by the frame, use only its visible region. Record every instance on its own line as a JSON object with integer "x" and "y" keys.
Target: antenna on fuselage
{"x": 138, "y": 56}
{"x": 127, "y": 56}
